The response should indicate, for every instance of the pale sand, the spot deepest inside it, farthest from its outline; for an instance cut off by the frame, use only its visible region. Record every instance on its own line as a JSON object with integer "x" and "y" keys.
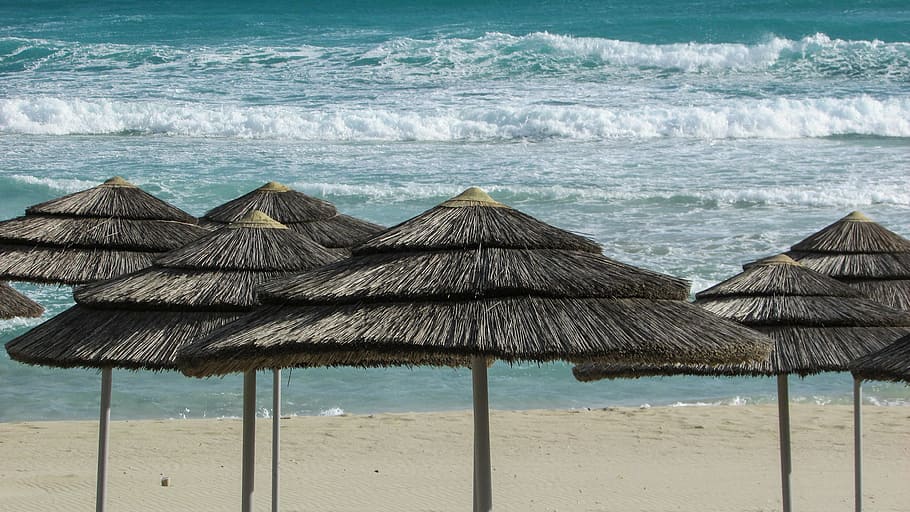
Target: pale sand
{"x": 673, "y": 459}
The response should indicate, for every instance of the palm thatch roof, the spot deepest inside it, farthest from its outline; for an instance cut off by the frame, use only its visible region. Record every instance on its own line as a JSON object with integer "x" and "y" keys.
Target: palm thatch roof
{"x": 863, "y": 254}
{"x": 890, "y": 363}
{"x": 14, "y": 304}
{"x": 817, "y": 323}
{"x": 471, "y": 277}
{"x": 99, "y": 233}
{"x": 311, "y": 216}
{"x": 140, "y": 320}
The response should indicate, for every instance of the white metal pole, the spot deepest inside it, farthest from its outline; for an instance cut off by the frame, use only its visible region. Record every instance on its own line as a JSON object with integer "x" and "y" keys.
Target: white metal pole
{"x": 858, "y": 443}
{"x": 783, "y": 412}
{"x": 249, "y": 439}
{"x": 276, "y": 439}
{"x": 103, "y": 424}
{"x": 483, "y": 491}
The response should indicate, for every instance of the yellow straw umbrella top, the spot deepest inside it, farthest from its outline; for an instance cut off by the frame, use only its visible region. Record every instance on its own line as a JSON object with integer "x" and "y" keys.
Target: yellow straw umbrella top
{"x": 257, "y": 220}
{"x": 473, "y": 196}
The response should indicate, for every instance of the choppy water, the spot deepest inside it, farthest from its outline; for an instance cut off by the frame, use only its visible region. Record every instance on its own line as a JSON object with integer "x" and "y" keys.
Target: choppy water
{"x": 685, "y": 138}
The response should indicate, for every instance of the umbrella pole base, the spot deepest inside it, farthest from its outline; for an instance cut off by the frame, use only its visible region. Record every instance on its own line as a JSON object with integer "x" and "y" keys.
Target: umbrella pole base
{"x": 483, "y": 488}
{"x": 858, "y": 444}
{"x": 249, "y": 440}
{"x": 103, "y": 437}
{"x": 783, "y": 412}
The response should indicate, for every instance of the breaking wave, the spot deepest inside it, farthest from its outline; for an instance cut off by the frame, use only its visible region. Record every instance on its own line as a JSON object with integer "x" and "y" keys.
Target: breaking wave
{"x": 771, "y": 118}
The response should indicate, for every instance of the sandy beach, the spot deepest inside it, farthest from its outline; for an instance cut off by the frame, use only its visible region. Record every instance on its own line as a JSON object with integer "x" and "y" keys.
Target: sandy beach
{"x": 624, "y": 459}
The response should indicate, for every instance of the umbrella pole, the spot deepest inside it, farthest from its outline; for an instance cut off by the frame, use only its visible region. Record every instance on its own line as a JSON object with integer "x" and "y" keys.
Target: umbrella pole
{"x": 276, "y": 439}
{"x": 103, "y": 423}
{"x": 783, "y": 413}
{"x": 858, "y": 443}
{"x": 249, "y": 438}
{"x": 483, "y": 492}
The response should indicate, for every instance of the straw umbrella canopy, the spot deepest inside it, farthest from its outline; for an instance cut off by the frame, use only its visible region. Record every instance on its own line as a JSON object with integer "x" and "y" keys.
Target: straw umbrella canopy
{"x": 316, "y": 218}
{"x": 105, "y": 231}
{"x": 138, "y": 321}
{"x": 14, "y": 304}
{"x": 817, "y": 324}
{"x": 871, "y": 258}
{"x": 472, "y": 279}
{"x": 890, "y": 363}
{"x": 862, "y": 253}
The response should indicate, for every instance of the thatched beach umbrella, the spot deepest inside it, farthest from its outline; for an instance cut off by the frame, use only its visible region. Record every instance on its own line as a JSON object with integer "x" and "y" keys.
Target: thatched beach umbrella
{"x": 862, "y": 253}
{"x": 314, "y": 217}
{"x": 138, "y": 321}
{"x": 99, "y": 233}
{"x": 890, "y": 363}
{"x": 872, "y": 259}
{"x": 14, "y": 304}
{"x": 817, "y": 324}
{"x": 472, "y": 279}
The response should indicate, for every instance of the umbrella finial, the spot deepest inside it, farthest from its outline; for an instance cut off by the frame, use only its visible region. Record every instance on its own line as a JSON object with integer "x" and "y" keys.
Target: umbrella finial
{"x": 274, "y": 186}
{"x": 856, "y": 216}
{"x": 473, "y": 196}
{"x": 255, "y": 219}
{"x": 117, "y": 181}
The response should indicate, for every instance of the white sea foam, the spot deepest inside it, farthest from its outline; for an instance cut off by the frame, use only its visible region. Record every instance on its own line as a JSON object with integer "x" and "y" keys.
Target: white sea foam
{"x": 545, "y": 52}
{"x": 777, "y": 118}
{"x": 491, "y": 52}
{"x": 334, "y": 411}
{"x": 67, "y": 185}
{"x": 816, "y": 195}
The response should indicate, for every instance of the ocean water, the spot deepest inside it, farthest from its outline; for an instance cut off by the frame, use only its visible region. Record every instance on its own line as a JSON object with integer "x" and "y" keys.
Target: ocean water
{"x": 686, "y": 137}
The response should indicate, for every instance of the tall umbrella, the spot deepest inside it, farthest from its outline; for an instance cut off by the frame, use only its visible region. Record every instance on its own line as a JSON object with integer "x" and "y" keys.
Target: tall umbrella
{"x": 314, "y": 217}
{"x": 14, "y": 304}
{"x": 99, "y": 233}
{"x": 866, "y": 255}
{"x": 138, "y": 321}
{"x": 472, "y": 279}
{"x": 817, "y": 324}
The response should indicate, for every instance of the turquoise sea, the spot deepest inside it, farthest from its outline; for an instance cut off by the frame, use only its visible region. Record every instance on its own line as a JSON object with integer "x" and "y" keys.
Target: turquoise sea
{"x": 686, "y": 137}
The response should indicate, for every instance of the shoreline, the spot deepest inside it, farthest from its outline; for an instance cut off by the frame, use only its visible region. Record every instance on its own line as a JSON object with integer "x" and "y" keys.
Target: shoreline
{"x": 618, "y": 458}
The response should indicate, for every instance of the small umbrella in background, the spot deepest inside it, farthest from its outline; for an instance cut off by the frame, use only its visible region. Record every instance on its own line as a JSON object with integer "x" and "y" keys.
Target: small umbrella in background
{"x": 472, "y": 279}
{"x": 890, "y": 363}
{"x": 871, "y": 258}
{"x": 315, "y": 218}
{"x": 817, "y": 324}
{"x": 138, "y": 321}
{"x": 14, "y": 304}
{"x": 99, "y": 233}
